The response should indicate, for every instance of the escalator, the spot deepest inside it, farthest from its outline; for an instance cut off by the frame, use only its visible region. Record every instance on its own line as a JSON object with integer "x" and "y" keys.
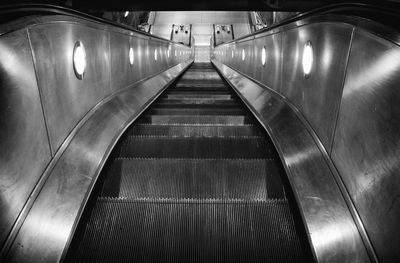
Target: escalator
{"x": 194, "y": 179}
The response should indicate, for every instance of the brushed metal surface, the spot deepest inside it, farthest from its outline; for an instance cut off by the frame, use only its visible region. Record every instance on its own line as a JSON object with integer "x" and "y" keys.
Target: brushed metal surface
{"x": 52, "y": 220}
{"x": 66, "y": 99}
{"x": 317, "y": 96}
{"x": 24, "y": 145}
{"x": 366, "y": 143}
{"x": 42, "y": 113}
{"x": 332, "y": 231}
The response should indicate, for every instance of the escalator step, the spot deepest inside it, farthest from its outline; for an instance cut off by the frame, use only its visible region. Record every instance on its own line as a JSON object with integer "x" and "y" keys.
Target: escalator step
{"x": 141, "y": 231}
{"x": 204, "y": 119}
{"x": 195, "y": 147}
{"x": 199, "y": 96}
{"x": 200, "y": 84}
{"x": 205, "y": 102}
{"x": 252, "y": 180}
{"x": 197, "y": 111}
{"x": 181, "y": 130}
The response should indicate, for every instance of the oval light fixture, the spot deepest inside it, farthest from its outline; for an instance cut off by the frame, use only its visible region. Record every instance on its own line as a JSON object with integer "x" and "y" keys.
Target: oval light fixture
{"x": 308, "y": 58}
{"x": 131, "y": 56}
{"x": 168, "y": 52}
{"x": 155, "y": 54}
{"x": 263, "y": 56}
{"x": 233, "y": 54}
{"x": 79, "y": 59}
{"x": 176, "y": 53}
{"x": 243, "y": 54}
{"x": 126, "y": 13}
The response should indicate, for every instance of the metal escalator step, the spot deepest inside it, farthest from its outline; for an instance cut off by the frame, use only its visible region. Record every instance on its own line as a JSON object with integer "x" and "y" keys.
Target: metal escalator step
{"x": 152, "y": 231}
{"x": 224, "y": 96}
{"x": 195, "y": 147}
{"x": 181, "y": 130}
{"x": 194, "y": 102}
{"x": 252, "y": 180}
{"x": 225, "y": 105}
{"x": 200, "y": 89}
{"x": 197, "y": 111}
{"x": 210, "y": 84}
{"x": 200, "y": 119}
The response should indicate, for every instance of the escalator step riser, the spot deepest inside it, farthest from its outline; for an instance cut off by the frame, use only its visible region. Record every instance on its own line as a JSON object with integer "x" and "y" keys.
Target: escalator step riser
{"x": 191, "y": 147}
{"x": 200, "y": 102}
{"x": 209, "y": 107}
{"x": 200, "y": 85}
{"x": 200, "y": 89}
{"x": 198, "y": 112}
{"x": 200, "y": 96}
{"x": 186, "y": 232}
{"x": 251, "y": 180}
{"x": 175, "y": 119}
{"x": 195, "y": 130}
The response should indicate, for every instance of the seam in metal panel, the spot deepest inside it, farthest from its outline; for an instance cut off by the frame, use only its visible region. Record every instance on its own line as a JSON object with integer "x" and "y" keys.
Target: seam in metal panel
{"x": 357, "y": 218}
{"x": 40, "y": 93}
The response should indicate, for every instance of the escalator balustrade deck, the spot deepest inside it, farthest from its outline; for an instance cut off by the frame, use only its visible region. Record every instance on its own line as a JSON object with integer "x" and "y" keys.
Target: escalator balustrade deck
{"x": 195, "y": 179}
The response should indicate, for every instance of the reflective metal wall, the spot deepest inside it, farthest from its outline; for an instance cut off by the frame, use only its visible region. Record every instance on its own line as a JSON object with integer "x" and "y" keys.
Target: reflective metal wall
{"x": 44, "y": 106}
{"x": 349, "y": 101}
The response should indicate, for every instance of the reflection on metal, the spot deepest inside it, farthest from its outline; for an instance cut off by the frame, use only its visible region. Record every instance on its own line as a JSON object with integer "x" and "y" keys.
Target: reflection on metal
{"x": 155, "y": 54}
{"x": 333, "y": 233}
{"x": 308, "y": 58}
{"x": 52, "y": 220}
{"x": 350, "y": 100}
{"x": 243, "y": 55}
{"x": 131, "y": 56}
{"x": 46, "y": 107}
{"x": 263, "y": 56}
{"x": 79, "y": 59}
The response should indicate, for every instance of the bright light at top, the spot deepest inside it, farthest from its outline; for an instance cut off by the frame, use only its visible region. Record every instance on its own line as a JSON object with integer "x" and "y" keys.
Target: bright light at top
{"x": 263, "y": 56}
{"x": 308, "y": 58}
{"x": 126, "y": 13}
{"x": 79, "y": 60}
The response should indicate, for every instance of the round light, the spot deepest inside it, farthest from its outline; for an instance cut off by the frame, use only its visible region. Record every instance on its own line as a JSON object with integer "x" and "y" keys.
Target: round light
{"x": 155, "y": 54}
{"x": 126, "y": 13}
{"x": 233, "y": 54}
{"x": 308, "y": 58}
{"x": 168, "y": 52}
{"x": 243, "y": 54}
{"x": 79, "y": 60}
{"x": 263, "y": 56}
{"x": 131, "y": 56}
{"x": 176, "y": 53}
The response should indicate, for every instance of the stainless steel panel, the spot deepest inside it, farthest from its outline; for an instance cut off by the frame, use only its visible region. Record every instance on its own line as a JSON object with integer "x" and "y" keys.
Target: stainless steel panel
{"x": 67, "y": 99}
{"x": 318, "y": 96}
{"x": 366, "y": 144}
{"x": 269, "y": 74}
{"x": 332, "y": 231}
{"x": 122, "y": 72}
{"x": 53, "y": 217}
{"x": 24, "y": 145}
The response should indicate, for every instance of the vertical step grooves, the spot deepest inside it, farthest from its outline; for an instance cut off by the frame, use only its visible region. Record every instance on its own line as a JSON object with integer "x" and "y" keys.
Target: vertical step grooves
{"x": 194, "y": 179}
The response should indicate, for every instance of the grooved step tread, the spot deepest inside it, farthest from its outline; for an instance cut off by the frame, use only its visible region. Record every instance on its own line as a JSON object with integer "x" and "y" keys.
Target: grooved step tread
{"x": 252, "y": 180}
{"x": 195, "y": 130}
{"x": 200, "y": 119}
{"x": 199, "y": 96}
{"x": 205, "y": 102}
{"x": 130, "y": 231}
{"x": 197, "y": 111}
{"x": 191, "y": 147}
